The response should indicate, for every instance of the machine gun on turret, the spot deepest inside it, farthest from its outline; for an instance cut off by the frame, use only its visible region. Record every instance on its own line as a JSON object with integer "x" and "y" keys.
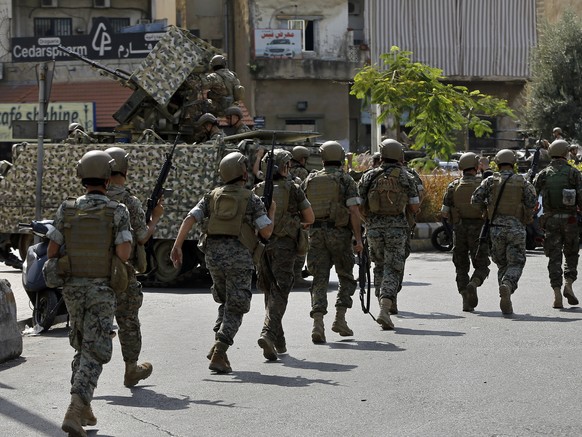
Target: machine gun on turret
{"x": 162, "y": 81}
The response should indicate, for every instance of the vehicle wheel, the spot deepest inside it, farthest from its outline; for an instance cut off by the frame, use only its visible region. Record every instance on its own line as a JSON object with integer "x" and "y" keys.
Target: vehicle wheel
{"x": 45, "y": 311}
{"x": 440, "y": 240}
{"x": 164, "y": 269}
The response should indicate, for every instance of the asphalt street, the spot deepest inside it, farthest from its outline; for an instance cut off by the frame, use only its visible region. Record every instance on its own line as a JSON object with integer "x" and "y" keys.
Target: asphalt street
{"x": 442, "y": 372}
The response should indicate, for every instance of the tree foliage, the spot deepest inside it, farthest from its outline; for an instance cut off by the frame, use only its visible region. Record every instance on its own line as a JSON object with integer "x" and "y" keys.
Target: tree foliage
{"x": 554, "y": 95}
{"x": 436, "y": 110}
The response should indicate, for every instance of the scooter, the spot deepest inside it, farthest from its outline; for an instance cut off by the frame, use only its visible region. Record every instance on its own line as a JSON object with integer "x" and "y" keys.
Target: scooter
{"x": 442, "y": 237}
{"x": 47, "y": 302}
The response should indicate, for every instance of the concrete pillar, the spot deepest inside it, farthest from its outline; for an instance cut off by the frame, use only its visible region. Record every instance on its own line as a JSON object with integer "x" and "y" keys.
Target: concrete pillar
{"x": 10, "y": 337}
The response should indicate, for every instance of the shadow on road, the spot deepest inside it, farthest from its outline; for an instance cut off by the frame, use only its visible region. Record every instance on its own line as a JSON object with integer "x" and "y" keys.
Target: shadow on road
{"x": 528, "y": 317}
{"x": 10, "y": 364}
{"x": 408, "y": 331}
{"x": 289, "y": 361}
{"x": 366, "y": 345}
{"x": 429, "y": 316}
{"x": 283, "y": 381}
{"x": 28, "y": 418}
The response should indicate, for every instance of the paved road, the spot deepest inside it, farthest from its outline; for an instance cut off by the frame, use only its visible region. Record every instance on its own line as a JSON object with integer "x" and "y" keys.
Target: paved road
{"x": 442, "y": 372}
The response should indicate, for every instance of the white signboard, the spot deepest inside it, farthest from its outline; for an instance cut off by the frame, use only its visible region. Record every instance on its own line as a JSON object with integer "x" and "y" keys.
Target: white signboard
{"x": 278, "y": 43}
{"x": 79, "y": 112}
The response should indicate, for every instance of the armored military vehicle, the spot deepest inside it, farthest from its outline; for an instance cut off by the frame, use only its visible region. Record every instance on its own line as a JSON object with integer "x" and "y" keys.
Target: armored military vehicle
{"x": 163, "y": 89}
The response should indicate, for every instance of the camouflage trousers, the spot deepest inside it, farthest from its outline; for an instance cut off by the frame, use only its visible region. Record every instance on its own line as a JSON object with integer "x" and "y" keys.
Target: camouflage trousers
{"x": 561, "y": 238}
{"x": 465, "y": 245}
{"x": 275, "y": 279}
{"x": 231, "y": 289}
{"x": 91, "y": 308}
{"x": 389, "y": 248}
{"x": 127, "y": 316}
{"x": 328, "y": 248}
{"x": 507, "y": 249}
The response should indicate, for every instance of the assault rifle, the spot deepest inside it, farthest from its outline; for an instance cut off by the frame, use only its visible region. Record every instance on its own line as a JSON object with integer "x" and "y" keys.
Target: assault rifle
{"x": 159, "y": 189}
{"x": 123, "y": 76}
{"x": 448, "y": 228}
{"x": 363, "y": 259}
{"x": 271, "y": 168}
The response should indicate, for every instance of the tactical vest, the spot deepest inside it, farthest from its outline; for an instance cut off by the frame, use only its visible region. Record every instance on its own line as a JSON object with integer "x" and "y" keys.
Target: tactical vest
{"x": 89, "y": 239}
{"x": 324, "y": 193}
{"x": 463, "y": 208}
{"x": 228, "y": 205}
{"x": 557, "y": 179}
{"x": 387, "y": 195}
{"x": 511, "y": 202}
{"x": 285, "y": 224}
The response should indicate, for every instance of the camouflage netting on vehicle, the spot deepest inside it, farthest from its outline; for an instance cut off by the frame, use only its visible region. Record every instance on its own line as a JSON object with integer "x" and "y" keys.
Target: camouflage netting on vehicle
{"x": 194, "y": 172}
{"x": 177, "y": 51}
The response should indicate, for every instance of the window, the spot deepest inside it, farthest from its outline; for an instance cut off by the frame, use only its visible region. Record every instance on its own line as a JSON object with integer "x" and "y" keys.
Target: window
{"x": 115, "y": 23}
{"x": 308, "y": 36}
{"x": 300, "y": 124}
{"x": 52, "y": 26}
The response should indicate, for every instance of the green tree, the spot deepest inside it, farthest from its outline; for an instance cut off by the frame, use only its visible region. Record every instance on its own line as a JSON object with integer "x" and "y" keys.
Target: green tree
{"x": 436, "y": 110}
{"x": 554, "y": 94}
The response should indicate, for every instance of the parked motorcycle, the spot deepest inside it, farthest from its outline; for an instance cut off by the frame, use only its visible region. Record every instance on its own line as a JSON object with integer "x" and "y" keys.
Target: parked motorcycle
{"x": 47, "y": 302}
{"x": 442, "y": 237}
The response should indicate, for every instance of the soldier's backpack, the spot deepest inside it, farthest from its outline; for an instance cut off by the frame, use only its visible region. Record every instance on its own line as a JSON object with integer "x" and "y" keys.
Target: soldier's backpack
{"x": 558, "y": 180}
{"x": 387, "y": 196}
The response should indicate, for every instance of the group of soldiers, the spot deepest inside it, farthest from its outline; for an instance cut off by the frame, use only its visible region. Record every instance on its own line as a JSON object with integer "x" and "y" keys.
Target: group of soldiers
{"x": 490, "y": 215}
{"x": 321, "y": 216}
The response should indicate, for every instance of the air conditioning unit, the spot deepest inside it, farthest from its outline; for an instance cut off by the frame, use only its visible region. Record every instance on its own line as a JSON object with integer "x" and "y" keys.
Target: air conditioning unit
{"x": 354, "y": 8}
{"x": 143, "y": 21}
{"x": 101, "y": 3}
{"x": 49, "y": 3}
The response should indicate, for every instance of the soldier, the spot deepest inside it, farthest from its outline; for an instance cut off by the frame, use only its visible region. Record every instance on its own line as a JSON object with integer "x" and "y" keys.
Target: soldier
{"x": 234, "y": 118}
{"x": 509, "y": 200}
{"x": 207, "y": 129}
{"x": 298, "y": 171}
{"x": 557, "y": 133}
{"x": 560, "y": 186}
{"x": 230, "y": 214}
{"x": 275, "y": 273}
{"x": 484, "y": 167}
{"x": 387, "y": 191}
{"x": 334, "y": 199}
{"x": 468, "y": 221}
{"x": 129, "y": 301}
{"x": 77, "y": 135}
{"x": 94, "y": 229}
{"x": 222, "y": 85}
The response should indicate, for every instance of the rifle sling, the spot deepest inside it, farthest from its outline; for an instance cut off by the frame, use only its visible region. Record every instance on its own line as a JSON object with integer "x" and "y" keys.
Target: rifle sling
{"x": 499, "y": 197}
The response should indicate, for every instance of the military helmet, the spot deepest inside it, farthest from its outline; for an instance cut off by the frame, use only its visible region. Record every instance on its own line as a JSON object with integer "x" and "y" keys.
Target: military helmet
{"x": 468, "y": 160}
{"x": 95, "y": 164}
{"x": 120, "y": 159}
{"x": 232, "y": 166}
{"x": 559, "y": 149}
{"x": 218, "y": 61}
{"x": 392, "y": 149}
{"x": 332, "y": 151}
{"x": 282, "y": 157}
{"x": 557, "y": 130}
{"x": 207, "y": 118}
{"x": 300, "y": 152}
{"x": 74, "y": 126}
{"x": 505, "y": 156}
{"x": 233, "y": 110}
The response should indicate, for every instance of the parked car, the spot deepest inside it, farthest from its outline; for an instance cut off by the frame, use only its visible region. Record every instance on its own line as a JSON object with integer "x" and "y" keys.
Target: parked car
{"x": 280, "y": 48}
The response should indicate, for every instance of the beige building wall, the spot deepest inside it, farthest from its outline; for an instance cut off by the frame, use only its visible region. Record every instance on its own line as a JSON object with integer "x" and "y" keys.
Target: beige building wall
{"x": 165, "y": 9}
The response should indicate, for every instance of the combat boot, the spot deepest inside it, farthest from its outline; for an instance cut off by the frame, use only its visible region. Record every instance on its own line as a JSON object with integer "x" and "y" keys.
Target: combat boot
{"x": 505, "y": 299}
{"x": 72, "y": 421}
{"x": 87, "y": 416}
{"x": 466, "y": 306}
{"x": 558, "y": 298}
{"x": 219, "y": 361}
{"x": 318, "y": 332}
{"x": 268, "y": 348}
{"x": 472, "y": 298}
{"x": 340, "y": 325}
{"x": 298, "y": 280}
{"x": 135, "y": 373}
{"x": 394, "y": 306}
{"x": 211, "y": 351}
{"x": 281, "y": 345}
{"x": 569, "y": 293}
{"x": 384, "y": 316}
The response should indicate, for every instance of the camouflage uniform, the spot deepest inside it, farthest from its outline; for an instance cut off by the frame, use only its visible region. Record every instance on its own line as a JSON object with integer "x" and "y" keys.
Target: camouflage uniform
{"x": 465, "y": 237}
{"x": 91, "y": 305}
{"x": 388, "y": 235}
{"x": 297, "y": 170}
{"x": 220, "y": 85}
{"x": 332, "y": 246}
{"x": 560, "y": 224}
{"x": 507, "y": 232}
{"x": 231, "y": 266}
{"x": 275, "y": 274}
{"x": 203, "y": 136}
{"x": 235, "y": 129}
{"x": 130, "y": 301}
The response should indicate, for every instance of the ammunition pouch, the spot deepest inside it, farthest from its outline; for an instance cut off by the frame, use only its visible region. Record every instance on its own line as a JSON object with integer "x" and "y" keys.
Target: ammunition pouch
{"x": 51, "y": 274}
{"x": 141, "y": 260}
{"x": 302, "y": 241}
{"x": 119, "y": 275}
